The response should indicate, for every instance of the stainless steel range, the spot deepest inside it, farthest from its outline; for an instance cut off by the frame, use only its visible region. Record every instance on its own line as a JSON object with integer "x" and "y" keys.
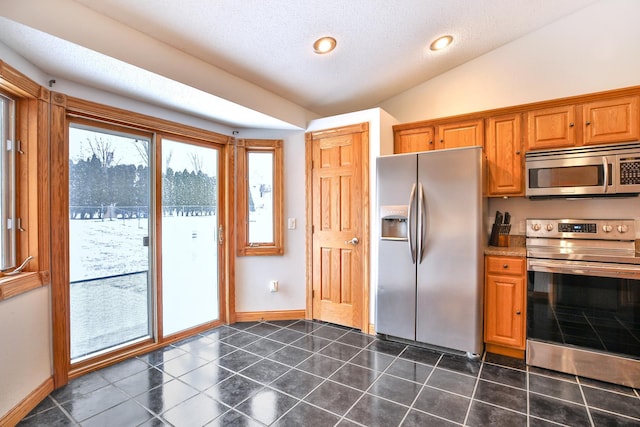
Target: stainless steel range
{"x": 583, "y": 298}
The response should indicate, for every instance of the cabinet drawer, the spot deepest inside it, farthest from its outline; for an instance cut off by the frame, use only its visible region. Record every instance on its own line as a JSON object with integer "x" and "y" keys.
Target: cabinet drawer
{"x": 505, "y": 265}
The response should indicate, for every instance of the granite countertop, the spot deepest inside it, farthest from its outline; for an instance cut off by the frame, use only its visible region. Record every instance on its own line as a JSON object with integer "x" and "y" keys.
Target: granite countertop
{"x": 516, "y": 247}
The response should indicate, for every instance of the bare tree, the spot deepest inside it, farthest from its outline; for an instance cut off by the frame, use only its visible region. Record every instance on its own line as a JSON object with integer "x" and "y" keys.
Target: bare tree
{"x": 167, "y": 161}
{"x": 103, "y": 150}
{"x": 196, "y": 162}
{"x": 142, "y": 147}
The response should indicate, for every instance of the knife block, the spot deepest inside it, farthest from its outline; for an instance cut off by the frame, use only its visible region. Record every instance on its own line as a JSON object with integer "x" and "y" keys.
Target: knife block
{"x": 500, "y": 235}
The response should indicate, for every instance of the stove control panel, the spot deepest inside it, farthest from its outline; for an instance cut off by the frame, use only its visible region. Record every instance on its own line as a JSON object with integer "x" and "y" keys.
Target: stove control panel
{"x": 600, "y": 229}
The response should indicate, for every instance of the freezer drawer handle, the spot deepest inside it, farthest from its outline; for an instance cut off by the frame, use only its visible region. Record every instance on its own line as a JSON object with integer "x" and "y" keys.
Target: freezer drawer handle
{"x": 353, "y": 241}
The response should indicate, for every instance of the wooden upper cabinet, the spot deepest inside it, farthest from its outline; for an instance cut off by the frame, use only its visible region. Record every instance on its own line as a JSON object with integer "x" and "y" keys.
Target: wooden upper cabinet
{"x": 461, "y": 134}
{"x": 611, "y": 120}
{"x": 504, "y": 155}
{"x": 551, "y": 128}
{"x": 413, "y": 140}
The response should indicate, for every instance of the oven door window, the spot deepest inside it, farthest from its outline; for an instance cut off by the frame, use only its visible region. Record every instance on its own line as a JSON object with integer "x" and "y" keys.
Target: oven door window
{"x": 569, "y": 176}
{"x": 598, "y": 313}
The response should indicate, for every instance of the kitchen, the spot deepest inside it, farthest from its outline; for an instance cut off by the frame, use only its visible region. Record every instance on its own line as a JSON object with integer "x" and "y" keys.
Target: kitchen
{"x": 517, "y": 77}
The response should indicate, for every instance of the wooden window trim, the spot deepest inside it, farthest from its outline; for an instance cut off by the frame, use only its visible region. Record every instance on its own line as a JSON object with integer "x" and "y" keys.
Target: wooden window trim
{"x": 32, "y": 181}
{"x": 243, "y": 247}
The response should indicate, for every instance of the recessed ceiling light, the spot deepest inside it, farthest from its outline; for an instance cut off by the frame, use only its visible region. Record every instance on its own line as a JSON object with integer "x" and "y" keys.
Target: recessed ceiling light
{"x": 441, "y": 43}
{"x": 324, "y": 45}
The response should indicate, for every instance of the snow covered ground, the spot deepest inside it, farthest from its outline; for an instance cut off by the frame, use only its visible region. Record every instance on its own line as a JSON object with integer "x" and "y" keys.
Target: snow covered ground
{"x": 110, "y": 288}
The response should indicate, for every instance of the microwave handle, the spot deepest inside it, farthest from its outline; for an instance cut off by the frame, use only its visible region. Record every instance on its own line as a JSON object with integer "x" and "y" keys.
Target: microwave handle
{"x": 605, "y": 163}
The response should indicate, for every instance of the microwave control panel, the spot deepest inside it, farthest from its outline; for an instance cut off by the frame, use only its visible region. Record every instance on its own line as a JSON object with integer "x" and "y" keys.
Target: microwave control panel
{"x": 630, "y": 171}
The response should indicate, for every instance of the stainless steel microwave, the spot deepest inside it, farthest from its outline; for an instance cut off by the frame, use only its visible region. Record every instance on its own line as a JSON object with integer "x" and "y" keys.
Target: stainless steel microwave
{"x": 602, "y": 170}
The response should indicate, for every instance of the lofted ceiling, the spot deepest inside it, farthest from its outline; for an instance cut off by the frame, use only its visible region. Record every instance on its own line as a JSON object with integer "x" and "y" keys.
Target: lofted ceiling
{"x": 249, "y": 63}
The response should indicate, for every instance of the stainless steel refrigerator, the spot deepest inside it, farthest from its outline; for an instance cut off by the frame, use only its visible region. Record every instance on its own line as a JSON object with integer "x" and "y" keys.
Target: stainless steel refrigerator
{"x": 431, "y": 248}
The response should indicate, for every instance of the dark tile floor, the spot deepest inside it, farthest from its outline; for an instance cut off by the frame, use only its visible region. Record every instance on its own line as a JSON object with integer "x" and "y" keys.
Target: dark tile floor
{"x": 300, "y": 373}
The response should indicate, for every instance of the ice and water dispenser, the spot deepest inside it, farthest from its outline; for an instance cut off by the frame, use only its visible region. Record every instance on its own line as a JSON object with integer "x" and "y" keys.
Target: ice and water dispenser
{"x": 393, "y": 222}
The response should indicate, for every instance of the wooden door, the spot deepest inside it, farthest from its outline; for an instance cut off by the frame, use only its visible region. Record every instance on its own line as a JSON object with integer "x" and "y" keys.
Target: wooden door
{"x": 413, "y": 140}
{"x": 551, "y": 128}
{"x": 504, "y": 156}
{"x": 505, "y": 302}
{"x": 462, "y": 134}
{"x": 339, "y": 232}
{"x": 611, "y": 120}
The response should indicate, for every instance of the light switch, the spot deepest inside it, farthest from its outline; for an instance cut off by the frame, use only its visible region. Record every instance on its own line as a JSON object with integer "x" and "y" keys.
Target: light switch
{"x": 291, "y": 224}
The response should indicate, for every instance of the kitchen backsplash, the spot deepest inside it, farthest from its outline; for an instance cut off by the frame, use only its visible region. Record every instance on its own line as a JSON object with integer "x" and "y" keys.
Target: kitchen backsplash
{"x": 522, "y": 208}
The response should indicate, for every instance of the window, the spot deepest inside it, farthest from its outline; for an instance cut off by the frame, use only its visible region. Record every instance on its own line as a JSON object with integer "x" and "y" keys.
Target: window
{"x": 260, "y": 197}
{"x": 7, "y": 183}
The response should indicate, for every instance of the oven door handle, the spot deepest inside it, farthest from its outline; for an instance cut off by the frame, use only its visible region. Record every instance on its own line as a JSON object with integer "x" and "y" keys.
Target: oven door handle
{"x": 621, "y": 271}
{"x": 605, "y": 164}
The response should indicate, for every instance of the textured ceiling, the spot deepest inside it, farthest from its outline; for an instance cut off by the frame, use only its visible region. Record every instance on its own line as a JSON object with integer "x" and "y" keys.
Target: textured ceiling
{"x": 382, "y": 44}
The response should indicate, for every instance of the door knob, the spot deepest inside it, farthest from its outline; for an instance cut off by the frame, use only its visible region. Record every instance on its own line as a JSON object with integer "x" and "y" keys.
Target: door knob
{"x": 353, "y": 241}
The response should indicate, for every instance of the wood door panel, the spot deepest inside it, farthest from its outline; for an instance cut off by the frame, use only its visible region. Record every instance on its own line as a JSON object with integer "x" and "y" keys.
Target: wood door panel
{"x": 551, "y": 128}
{"x": 345, "y": 214}
{"x": 346, "y": 287}
{"x": 504, "y": 318}
{"x": 503, "y": 148}
{"x": 611, "y": 120}
{"x": 337, "y": 211}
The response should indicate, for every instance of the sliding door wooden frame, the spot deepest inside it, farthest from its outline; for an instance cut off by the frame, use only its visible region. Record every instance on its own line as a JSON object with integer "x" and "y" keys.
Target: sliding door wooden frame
{"x": 62, "y": 108}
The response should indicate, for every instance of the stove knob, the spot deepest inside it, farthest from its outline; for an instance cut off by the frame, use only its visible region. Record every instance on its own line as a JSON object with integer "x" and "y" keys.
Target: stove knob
{"x": 622, "y": 228}
{"x": 536, "y": 227}
{"x": 607, "y": 228}
{"x": 549, "y": 227}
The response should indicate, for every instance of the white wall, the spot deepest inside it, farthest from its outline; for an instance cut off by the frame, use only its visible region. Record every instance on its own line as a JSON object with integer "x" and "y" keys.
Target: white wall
{"x": 592, "y": 50}
{"x": 25, "y": 352}
{"x": 253, "y": 273}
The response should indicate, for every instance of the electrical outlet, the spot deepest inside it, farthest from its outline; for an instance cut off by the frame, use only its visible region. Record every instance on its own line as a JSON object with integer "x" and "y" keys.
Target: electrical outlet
{"x": 273, "y": 286}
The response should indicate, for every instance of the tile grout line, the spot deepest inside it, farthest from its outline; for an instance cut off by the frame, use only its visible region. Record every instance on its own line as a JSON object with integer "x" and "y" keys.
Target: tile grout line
{"x": 371, "y": 385}
{"x": 584, "y": 399}
{"x": 325, "y": 379}
{"x": 424, "y": 384}
{"x": 475, "y": 387}
{"x": 528, "y": 401}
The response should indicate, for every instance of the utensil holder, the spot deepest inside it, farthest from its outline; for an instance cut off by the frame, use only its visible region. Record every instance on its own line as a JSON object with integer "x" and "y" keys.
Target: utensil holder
{"x": 500, "y": 235}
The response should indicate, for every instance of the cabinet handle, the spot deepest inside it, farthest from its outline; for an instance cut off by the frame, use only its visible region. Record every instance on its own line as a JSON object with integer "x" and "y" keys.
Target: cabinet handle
{"x": 588, "y": 123}
{"x": 505, "y": 266}
{"x": 571, "y": 125}
{"x": 441, "y": 141}
{"x": 430, "y": 142}
{"x": 518, "y": 152}
{"x": 518, "y": 313}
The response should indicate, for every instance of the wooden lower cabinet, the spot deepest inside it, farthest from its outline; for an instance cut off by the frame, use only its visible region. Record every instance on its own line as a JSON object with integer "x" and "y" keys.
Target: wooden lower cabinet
{"x": 505, "y": 305}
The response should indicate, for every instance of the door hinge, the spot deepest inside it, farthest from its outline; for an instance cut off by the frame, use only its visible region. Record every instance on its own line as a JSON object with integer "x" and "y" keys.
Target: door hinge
{"x": 220, "y": 235}
{"x": 313, "y": 294}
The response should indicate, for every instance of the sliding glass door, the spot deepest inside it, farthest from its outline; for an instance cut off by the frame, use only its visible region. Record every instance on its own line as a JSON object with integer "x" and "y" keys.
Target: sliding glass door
{"x": 109, "y": 231}
{"x": 189, "y": 224}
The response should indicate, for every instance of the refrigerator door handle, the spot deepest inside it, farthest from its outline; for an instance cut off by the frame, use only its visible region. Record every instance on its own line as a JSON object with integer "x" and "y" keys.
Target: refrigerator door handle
{"x": 412, "y": 198}
{"x": 422, "y": 223}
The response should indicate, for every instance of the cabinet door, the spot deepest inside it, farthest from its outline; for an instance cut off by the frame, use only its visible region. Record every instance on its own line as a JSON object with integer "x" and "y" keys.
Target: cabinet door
{"x": 504, "y": 159}
{"x": 463, "y": 134}
{"x": 413, "y": 140}
{"x": 611, "y": 120}
{"x": 551, "y": 128}
{"x": 504, "y": 311}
